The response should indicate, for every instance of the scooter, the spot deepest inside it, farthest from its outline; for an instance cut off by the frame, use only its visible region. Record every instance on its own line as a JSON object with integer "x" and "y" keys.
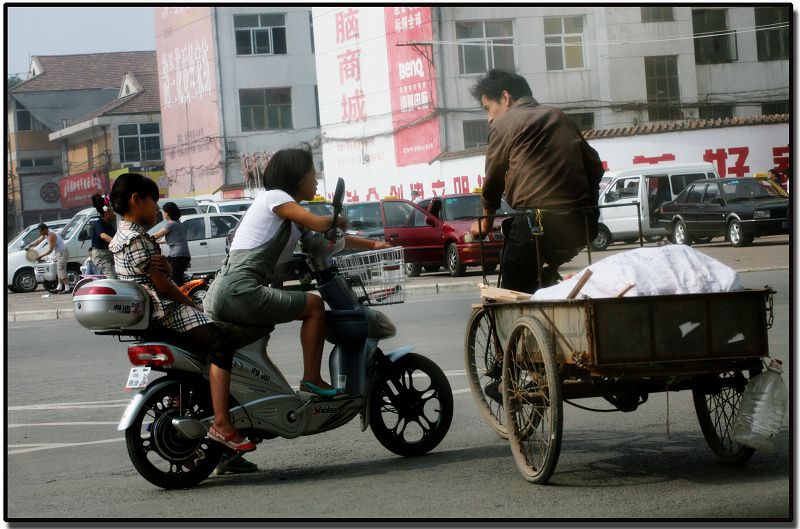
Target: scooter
{"x": 196, "y": 286}
{"x": 404, "y": 397}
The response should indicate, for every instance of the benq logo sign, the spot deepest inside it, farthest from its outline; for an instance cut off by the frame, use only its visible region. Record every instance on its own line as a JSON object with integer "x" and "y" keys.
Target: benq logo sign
{"x": 411, "y": 68}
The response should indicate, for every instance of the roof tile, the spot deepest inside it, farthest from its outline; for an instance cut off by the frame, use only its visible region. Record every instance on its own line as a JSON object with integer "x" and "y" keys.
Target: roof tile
{"x": 86, "y": 71}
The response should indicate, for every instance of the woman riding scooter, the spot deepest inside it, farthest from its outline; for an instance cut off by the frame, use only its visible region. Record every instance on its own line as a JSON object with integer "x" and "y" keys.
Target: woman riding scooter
{"x": 266, "y": 237}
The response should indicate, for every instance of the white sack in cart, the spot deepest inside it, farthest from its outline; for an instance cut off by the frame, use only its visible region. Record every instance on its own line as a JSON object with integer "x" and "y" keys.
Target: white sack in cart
{"x": 671, "y": 269}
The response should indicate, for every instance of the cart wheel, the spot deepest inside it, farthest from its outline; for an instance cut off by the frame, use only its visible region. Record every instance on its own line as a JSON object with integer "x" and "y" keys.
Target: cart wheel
{"x": 485, "y": 369}
{"x": 532, "y": 399}
{"x": 716, "y": 401}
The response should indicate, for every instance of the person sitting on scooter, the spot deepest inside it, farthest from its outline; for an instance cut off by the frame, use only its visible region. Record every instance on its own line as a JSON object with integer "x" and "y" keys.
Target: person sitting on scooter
{"x": 138, "y": 258}
{"x": 266, "y": 237}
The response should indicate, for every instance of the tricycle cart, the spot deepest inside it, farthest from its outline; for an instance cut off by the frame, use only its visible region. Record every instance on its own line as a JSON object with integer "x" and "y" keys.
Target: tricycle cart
{"x": 526, "y": 358}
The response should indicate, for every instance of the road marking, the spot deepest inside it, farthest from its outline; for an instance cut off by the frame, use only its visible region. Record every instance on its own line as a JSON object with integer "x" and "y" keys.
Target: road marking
{"x": 21, "y": 449}
{"x": 62, "y": 424}
{"x": 72, "y": 405}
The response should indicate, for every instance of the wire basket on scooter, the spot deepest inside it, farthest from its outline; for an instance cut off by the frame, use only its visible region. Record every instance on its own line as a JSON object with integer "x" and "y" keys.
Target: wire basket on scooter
{"x": 379, "y": 274}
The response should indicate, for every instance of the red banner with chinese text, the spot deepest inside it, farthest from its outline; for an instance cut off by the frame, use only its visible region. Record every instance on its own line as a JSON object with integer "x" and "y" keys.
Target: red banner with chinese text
{"x": 412, "y": 83}
{"x": 77, "y": 190}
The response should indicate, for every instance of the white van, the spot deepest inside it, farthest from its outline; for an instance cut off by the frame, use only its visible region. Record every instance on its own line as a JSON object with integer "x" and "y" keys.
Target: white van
{"x": 24, "y": 276}
{"x": 645, "y": 186}
{"x": 233, "y": 205}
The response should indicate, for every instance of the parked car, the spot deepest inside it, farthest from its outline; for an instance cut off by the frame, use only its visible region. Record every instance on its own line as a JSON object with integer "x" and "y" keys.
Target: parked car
{"x": 647, "y": 186}
{"x": 235, "y": 205}
{"x": 435, "y": 233}
{"x": 364, "y": 219}
{"x": 205, "y": 233}
{"x": 738, "y": 208}
{"x": 31, "y": 233}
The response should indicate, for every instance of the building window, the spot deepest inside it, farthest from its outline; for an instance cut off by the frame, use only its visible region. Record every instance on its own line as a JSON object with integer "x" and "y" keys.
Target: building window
{"x": 563, "y": 40}
{"x": 139, "y": 142}
{"x": 713, "y": 43}
{"x": 773, "y": 38}
{"x": 657, "y": 14}
{"x": 260, "y": 34}
{"x": 779, "y": 107}
{"x": 716, "y": 111}
{"x": 663, "y": 87}
{"x": 584, "y": 120}
{"x": 35, "y": 162}
{"x": 485, "y": 45}
{"x": 266, "y": 108}
{"x": 475, "y": 133}
{"x": 25, "y": 121}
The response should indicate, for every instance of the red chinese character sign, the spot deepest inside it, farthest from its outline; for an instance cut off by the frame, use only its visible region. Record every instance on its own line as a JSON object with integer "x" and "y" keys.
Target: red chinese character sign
{"x": 77, "y": 190}
{"x": 412, "y": 82}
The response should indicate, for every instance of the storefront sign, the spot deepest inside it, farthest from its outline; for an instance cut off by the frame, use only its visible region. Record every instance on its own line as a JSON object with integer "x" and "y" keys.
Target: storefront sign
{"x": 77, "y": 190}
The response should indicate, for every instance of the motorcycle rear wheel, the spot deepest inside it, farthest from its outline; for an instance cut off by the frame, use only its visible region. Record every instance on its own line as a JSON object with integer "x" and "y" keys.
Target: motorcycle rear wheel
{"x": 158, "y": 451}
{"x": 411, "y": 406}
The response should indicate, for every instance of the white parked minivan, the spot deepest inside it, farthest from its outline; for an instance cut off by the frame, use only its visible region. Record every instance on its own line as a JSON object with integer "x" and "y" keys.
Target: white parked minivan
{"x": 647, "y": 186}
{"x": 24, "y": 276}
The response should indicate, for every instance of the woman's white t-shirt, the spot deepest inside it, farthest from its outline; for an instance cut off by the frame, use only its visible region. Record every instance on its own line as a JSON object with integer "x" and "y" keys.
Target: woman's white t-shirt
{"x": 260, "y": 224}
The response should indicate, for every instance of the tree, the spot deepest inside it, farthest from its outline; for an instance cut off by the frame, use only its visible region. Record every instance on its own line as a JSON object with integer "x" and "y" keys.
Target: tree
{"x": 13, "y": 81}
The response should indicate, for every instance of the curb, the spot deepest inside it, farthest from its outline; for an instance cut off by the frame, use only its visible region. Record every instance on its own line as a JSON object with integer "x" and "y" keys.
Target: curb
{"x": 414, "y": 290}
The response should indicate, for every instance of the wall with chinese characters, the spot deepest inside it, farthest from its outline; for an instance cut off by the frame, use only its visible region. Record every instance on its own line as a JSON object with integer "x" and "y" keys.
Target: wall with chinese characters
{"x": 366, "y": 112}
{"x": 189, "y": 111}
{"x": 735, "y": 151}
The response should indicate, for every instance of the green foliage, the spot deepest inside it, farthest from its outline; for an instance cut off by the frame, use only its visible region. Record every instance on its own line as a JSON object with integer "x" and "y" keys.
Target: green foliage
{"x": 13, "y": 81}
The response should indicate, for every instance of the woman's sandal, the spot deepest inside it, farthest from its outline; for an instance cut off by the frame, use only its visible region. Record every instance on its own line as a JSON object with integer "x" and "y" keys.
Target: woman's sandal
{"x": 308, "y": 387}
{"x": 216, "y": 435}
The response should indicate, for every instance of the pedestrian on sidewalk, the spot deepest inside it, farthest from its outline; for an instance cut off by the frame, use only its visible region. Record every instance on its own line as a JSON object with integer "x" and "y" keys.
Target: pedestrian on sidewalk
{"x": 174, "y": 234}
{"x": 59, "y": 249}
{"x": 103, "y": 231}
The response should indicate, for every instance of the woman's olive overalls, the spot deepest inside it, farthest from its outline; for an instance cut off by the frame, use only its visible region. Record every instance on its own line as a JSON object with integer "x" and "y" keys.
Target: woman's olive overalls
{"x": 240, "y": 292}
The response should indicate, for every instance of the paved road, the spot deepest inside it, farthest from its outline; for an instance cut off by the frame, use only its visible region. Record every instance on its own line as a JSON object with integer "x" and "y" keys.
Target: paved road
{"x": 66, "y": 460}
{"x": 766, "y": 253}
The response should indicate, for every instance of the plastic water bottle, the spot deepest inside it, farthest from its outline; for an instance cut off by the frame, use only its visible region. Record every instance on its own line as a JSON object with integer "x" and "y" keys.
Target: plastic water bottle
{"x": 761, "y": 409}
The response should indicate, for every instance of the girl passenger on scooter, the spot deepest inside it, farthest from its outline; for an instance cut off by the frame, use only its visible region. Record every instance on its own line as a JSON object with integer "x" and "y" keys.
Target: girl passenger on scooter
{"x": 266, "y": 237}
{"x": 137, "y": 257}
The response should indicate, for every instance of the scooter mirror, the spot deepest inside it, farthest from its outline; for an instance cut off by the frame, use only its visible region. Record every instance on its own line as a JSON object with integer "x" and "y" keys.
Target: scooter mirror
{"x": 338, "y": 196}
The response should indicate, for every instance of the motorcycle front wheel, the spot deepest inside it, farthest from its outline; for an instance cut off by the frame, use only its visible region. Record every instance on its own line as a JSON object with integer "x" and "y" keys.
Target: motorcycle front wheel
{"x": 158, "y": 451}
{"x": 411, "y": 406}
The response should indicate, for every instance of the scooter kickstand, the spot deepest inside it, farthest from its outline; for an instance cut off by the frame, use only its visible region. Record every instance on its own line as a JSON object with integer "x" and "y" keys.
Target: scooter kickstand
{"x": 299, "y": 410}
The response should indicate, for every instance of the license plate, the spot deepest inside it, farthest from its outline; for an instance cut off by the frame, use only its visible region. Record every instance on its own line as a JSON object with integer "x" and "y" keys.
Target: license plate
{"x": 39, "y": 278}
{"x": 138, "y": 378}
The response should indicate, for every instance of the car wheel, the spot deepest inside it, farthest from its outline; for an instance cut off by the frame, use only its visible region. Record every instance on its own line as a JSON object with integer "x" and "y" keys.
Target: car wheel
{"x": 602, "y": 240}
{"x": 654, "y": 238}
{"x": 49, "y": 285}
{"x": 454, "y": 265}
{"x": 13, "y": 289}
{"x": 702, "y": 240}
{"x": 680, "y": 235}
{"x": 25, "y": 280}
{"x": 413, "y": 270}
{"x": 431, "y": 269}
{"x": 73, "y": 274}
{"x": 737, "y": 237}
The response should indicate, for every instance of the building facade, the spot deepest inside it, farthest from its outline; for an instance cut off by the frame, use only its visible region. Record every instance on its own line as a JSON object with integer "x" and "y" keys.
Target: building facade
{"x": 68, "y": 129}
{"x": 627, "y": 70}
{"x": 237, "y": 83}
